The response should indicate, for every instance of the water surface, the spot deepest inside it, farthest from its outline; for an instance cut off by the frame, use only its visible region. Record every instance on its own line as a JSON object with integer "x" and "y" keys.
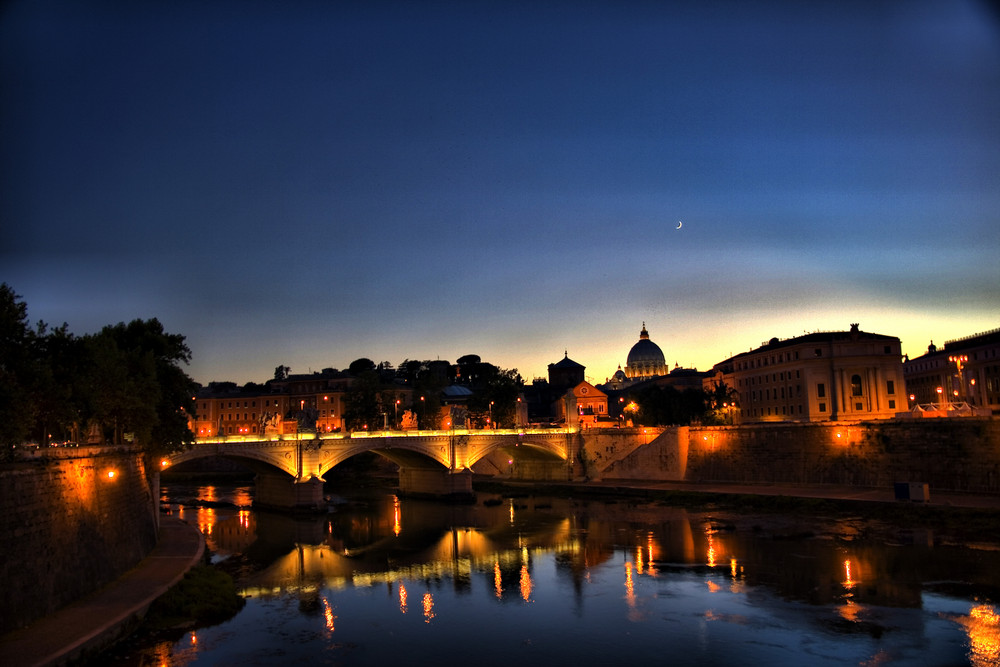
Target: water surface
{"x": 542, "y": 581}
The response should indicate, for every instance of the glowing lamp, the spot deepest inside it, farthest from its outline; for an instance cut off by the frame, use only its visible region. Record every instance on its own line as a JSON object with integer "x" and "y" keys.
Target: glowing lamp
{"x": 164, "y": 463}
{"x": 111, "y": 474}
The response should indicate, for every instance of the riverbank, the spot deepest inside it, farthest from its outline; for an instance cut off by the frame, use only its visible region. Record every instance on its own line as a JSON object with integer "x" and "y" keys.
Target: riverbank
{"x": 703, "y": 491}
{"x": 954, "y": 517}
{"x": 88, "y": 625}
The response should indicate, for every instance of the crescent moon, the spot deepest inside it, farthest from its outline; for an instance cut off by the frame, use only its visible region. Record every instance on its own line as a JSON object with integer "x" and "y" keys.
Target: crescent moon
{"x": 679, "y": 224}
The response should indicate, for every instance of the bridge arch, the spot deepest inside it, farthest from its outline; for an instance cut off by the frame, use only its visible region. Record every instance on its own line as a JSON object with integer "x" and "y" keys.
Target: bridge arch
{"x": 404, "y": 452}
{"x": 542, "y": 448}
{"x": 274, "y": 455}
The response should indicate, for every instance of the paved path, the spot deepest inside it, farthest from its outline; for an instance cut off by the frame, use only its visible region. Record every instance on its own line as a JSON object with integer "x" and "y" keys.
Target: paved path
{"x": 99, "y": 618}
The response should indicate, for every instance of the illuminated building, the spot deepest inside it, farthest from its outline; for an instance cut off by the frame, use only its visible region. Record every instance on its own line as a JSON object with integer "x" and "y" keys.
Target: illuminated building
{"x": 545, "y": 398}
{"x": 645, "y": 359}
{"x": 309, "y": 401}
{"x": 965, "y": 373}
{"x": 589, "y": 403}
{"x": 822, "y": 376}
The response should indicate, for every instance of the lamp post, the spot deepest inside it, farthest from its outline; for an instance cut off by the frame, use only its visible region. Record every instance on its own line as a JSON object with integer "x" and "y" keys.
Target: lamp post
{"x": 958, "y": 360}
{"x": 491, "y": 415}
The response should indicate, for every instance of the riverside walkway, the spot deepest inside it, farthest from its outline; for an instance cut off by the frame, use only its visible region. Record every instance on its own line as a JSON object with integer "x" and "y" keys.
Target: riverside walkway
{"x": 94, "y": 622}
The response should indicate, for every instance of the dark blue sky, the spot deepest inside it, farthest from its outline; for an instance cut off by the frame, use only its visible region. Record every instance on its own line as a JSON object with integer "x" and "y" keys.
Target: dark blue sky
{"x": 307, "y": 183}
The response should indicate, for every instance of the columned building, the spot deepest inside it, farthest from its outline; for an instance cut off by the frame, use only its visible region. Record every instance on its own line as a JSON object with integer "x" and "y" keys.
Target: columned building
{"x": 824, "y": 376}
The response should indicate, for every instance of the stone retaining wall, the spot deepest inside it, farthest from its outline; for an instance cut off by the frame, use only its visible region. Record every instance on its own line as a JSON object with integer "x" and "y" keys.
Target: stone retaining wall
{"x": 67, "y": 528}
{"x": 956, "y": 454}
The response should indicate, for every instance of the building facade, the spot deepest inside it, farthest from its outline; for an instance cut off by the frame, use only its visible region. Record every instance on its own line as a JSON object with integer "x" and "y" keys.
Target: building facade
{"x": 225, "y": 409}
{"x": 964, "y": 371}
{"x": 824, "y": 376}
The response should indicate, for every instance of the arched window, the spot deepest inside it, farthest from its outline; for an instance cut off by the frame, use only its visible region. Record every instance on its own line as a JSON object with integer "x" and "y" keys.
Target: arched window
{"x": 855, "y": 385}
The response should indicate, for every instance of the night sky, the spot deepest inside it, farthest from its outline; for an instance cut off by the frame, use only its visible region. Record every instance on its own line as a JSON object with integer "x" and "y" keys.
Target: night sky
{"x": 307, "y": 183}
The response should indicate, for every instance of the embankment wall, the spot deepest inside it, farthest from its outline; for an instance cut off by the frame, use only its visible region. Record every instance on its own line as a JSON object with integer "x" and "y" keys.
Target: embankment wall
{"x": 957, "y": 454}
{"x": 67, "y": 528}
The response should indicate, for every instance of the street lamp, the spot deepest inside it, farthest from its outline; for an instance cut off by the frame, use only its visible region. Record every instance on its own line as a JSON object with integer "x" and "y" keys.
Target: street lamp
{"x": 490, "y": 422}
{"x": 958, "y": 360}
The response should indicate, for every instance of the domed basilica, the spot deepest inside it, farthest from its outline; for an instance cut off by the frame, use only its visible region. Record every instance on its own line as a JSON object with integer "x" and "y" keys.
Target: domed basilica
{"x": 645, "y": 359}
{"x": 645, "y": 362}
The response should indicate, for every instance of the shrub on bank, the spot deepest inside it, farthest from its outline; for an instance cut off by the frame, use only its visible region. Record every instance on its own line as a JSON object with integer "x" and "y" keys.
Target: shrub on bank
{"x": 205, "y": 596}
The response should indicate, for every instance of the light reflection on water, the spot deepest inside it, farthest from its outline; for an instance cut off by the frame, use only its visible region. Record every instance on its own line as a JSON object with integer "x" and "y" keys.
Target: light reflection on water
{"x": 552, "y": 581}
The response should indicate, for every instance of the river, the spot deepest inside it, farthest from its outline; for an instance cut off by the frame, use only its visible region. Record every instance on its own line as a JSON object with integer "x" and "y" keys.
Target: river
{"x": 547, "y": 581}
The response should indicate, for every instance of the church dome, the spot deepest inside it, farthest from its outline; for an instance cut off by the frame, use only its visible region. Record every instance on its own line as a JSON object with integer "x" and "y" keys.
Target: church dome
{"x": 645, "y": 359}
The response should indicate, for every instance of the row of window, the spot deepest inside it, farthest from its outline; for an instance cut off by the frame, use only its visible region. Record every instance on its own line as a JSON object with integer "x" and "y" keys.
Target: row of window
{"x": 790, "y": 410}
{"x": 761, "y": 379}
{"x": 266, "y": 403}
{"x": 758, "y": 362}
{"x": 235, "y": 416}
{"x": 857, "y": 390}
{"x": 767, "y": 395}
{"x": 782, "y": 411}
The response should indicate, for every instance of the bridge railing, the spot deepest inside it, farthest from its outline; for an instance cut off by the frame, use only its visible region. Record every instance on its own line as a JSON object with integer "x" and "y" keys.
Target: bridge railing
{"x": 292, "y": 437}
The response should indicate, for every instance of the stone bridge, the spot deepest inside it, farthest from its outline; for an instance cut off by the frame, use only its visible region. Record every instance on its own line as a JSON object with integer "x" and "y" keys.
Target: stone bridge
{"x": 290, "y": 468}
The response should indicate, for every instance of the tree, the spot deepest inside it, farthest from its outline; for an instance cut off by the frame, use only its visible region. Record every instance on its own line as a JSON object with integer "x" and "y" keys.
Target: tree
{"x": 60, "y": 385}
{"x": 281, "y": 373}
{"x": 361, "y": 402}
{"x": 126, "y": 380}
{"x": 495, "y": 392}
{"x": 721, "y": 403}
{"x": 17, "y": 369}
{"x": 408, "y": 370}
{"x": 359, "y": 366}
{"x": 664, "y": 406}
{"x": 138, "y": 386}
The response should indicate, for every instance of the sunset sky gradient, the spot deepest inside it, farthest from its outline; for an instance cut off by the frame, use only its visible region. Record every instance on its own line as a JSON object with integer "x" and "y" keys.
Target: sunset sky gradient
{"x": 306, "y": 183}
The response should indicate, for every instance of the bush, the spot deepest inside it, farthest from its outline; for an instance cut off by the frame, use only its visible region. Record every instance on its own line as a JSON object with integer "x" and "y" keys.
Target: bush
{"x": 205, "y": 596}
